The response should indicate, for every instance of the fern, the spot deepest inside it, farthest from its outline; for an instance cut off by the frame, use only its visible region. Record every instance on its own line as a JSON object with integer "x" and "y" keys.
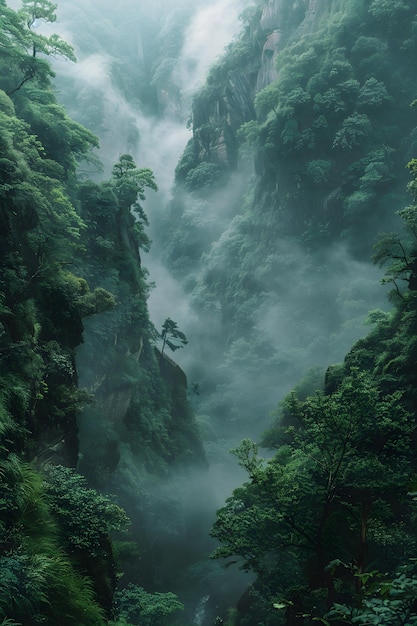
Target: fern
{"x": 38, "y": 579}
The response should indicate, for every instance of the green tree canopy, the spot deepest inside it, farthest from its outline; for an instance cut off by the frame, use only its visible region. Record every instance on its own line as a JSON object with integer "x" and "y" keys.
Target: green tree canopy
{"x": 137, "y": 606}
{"x": 22, "y": 47}
{"x": 399, "y": 252}
{"x": 330, "y": 494}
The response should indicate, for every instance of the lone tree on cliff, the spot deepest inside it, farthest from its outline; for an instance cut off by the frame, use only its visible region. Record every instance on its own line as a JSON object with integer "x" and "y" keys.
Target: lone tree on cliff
{"x": 171, "y": 336}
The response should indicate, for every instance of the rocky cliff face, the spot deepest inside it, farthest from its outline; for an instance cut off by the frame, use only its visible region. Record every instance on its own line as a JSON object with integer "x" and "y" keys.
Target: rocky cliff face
{"x": 227, "y": 100}
{"x": 273, "y": 28}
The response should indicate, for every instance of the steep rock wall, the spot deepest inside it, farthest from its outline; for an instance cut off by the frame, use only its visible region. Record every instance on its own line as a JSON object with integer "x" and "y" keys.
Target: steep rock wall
{"x": 226, "y": 102}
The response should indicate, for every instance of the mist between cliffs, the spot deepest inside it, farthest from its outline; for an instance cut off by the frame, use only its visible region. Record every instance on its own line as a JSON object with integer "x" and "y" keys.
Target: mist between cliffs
{"x": 259, "y": 308}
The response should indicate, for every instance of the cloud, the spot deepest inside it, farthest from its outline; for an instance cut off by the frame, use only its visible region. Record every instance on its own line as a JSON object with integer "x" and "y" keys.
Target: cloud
{"x": 212, "y": 27}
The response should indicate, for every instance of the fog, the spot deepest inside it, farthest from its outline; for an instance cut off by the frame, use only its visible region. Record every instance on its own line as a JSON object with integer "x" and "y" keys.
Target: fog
{"x": 211, "y": 28}
{"x": 109, "y": 91}
{"x": 113, "y": 90}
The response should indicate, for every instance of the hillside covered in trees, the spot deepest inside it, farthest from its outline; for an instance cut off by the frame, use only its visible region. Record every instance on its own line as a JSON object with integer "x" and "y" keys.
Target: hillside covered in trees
{"x": 295, "y": 195}
{"x": 328, "y": 523}
{"x": 297, "y": 161}
{"x": 70, "y": 253}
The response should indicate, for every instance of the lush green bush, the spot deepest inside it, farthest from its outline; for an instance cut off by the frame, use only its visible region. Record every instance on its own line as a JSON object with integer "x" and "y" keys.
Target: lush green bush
{"x": 137, "y": 606}
{"x": 39, "y": 583}
{"x": 85, "y": 516}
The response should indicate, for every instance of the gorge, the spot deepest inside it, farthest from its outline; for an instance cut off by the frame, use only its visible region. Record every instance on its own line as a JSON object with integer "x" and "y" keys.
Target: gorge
{"x": 228, "y": 167}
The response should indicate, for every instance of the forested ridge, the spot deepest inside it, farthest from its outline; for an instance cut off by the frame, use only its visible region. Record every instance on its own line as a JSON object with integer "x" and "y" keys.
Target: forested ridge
{"x": 300, "y": 172}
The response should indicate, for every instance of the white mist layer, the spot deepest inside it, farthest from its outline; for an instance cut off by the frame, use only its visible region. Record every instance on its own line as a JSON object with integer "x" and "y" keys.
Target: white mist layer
{"x": 205, "y": 39}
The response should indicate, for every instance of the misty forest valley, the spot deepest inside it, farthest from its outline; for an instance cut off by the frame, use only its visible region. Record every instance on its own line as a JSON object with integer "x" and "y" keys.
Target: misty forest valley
{"x": 208, "y": 312}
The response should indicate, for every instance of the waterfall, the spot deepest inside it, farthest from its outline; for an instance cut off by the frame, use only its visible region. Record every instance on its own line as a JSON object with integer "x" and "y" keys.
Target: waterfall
{"x": 201, "y": 611}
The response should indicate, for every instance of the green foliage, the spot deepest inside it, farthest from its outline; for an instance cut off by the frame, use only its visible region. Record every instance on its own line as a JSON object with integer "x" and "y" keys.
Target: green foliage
{"x": 128, "y": 185}
{"x": 128, "y": 371}
{"x": 21, "y": 44}
{"x": 386, "y": 10}
{"x": 36, "y": 589}
{"x": 48, "y": 220}
{"x": 204, "y": 176}
{"x": 126, "y": 173}
{"x": 266, "y": 100}
{"x": 39, "y": 583}
{"x": 85, "y": 516}
{"x": 39, "y": 10}
{"x": 137, "y": 606}
{"x": 373, "y": 94}
{"x": 248, "y": 136}
{"x": 64, "y": 140}
{"x": 188, "y": 161}
{"x": 391, "y": 602}
{"x": 348, "y": 448}
{"x": 400, "y": 252}
{"x": 42, "y": 303}
{"x": 319, "y": 170}
{"x": 247, "y": 453}
{"x": 358, "y": 203}
{"x": 354, "y": 130}
{"x": 44, "y": 10}
{"x": 332, "y": 491}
